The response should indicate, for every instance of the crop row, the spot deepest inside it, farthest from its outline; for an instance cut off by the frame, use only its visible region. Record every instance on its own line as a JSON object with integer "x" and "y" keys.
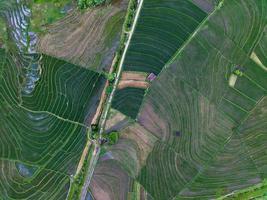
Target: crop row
{"x": 39, "y": 148}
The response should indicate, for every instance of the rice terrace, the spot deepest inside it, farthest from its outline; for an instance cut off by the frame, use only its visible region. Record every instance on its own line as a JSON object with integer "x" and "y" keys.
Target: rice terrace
{"x": 133, "y": 99}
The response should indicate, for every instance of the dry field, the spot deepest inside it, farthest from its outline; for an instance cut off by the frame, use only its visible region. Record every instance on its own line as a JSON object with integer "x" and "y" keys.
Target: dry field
{"x": 86, "y": 38}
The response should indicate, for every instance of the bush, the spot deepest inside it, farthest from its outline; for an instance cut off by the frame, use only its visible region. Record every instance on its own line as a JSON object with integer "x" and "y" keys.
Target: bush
{"x": 113, "y": 137}
{"x": 109, "y": 89}
{"x": 83, "y": 4}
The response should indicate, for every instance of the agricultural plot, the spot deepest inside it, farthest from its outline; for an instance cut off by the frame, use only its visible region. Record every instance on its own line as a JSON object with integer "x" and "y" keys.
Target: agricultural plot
{"x": 162, "y": 28}
{"x": 259, "y": 54}
{"x": 66, "y": 90}
{"x": 110, "y": 181}
{"x": 199, "y": 118}
{"x": 122, "y": 162}
{"x": 42, "y": 185}
{"x": 127, "y": 101}
{"x": 89, "y": 38}
{"x": 206, "y": 5}
{"x": 40, "y": 150}
{"x": 253, "y": 134}
{"x": 116, "y": 121}
{"x": 232, "y": 169}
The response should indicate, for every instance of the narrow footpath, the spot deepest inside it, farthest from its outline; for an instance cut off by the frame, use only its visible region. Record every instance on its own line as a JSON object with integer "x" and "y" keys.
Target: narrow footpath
{"x": 107, "y": 106}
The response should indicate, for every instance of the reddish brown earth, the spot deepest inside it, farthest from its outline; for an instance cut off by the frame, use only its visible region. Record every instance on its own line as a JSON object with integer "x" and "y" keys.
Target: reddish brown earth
{"x": 133, "y": 83}
{"x": 128, "y": 75}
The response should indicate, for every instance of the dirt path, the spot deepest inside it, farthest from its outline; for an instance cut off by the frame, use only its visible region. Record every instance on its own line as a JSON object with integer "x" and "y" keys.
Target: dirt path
{"x": 84, "y": 154}
{"x": 105, "y": 112}
{"x": 90, "y": 170}
{"x": 103, "y": 96}
{"x": 118, "y": 74}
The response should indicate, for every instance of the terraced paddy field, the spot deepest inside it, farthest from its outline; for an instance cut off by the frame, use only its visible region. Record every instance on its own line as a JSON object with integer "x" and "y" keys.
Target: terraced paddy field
{"x": 127, "y": 100}
{"x": 89, "y": 38}
{"x": 162, "y": 28}
{"x": 196, "y": 131}
{"x": 40, "y": 148}
{"x": 210, "y": 128}
{"x": 66, "y": 90}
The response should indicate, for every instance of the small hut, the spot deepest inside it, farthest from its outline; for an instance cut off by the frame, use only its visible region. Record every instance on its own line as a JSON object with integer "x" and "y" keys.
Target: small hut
{"x": 151, "y": 77}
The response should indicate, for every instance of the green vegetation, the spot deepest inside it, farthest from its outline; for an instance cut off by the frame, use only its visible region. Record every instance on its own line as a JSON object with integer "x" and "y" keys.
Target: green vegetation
{"x": 160, "y": 32}
{"x": 50, "y": 145}
{"x": 83, "y": 4}
{"x": 192, "y": 135}
{"x": 258, "y": 191}
{"x": 223, "y": 133}
{"x": 220, "y": 148}
{"x": 238, "y": 73}
{"x": 68, "y": 102}
{"x": 130, "y": 15}
{"x": 3, "y": 33}
{"x": 109, "y": 89}
{"x": 45, "y": 12}
{"x": 79, "y": 179}
{"x": 128, "y": 100}
{"x": 38, "y": 132}
{"x": 150, "y": 48}
{"x": 113, "y": 28}
{"x": 135, "y": 192}
{"x": 109, "y": 76}
{"x": 112, "y": 137}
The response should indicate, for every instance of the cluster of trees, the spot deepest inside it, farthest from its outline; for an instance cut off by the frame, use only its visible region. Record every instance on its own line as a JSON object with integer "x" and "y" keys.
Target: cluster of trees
{"x": 109, "y": 138}
{"x": 83, "y": 4}
{"x": 238, "y": 72}
{"x": 78, "y": 181}
{"x": 130, "y": 14}
{"x": 111, "y": 78}
{"x": 112, "y": 137}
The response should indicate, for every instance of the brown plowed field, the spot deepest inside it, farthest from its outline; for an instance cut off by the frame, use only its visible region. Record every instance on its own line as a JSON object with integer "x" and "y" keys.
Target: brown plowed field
{"x": 86, "y": 38}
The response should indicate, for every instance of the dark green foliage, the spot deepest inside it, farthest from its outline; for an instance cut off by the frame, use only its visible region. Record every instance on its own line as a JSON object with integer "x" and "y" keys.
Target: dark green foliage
{"x": 109, "y": 89}
{"x": 83, "y": 4}
{"x": 39, "y": 140}
{"x": 112, "y": 137}
{"x": 165, "y": 172}
{"x": 130, "y": 15}
{"x": 162, "y": 28}
{"x": 70, "y": 90}
{"x": 223, "y": 126}
{"x": 128, "y": 101}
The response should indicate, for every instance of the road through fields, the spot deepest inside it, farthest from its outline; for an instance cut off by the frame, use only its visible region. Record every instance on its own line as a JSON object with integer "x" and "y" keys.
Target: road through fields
{"x": 107, "y": 105}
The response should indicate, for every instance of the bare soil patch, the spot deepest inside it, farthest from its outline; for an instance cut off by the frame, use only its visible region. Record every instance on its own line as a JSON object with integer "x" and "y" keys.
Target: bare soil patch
{"x": 152, "y": 121}
{"x": 87, "y": 39}
{"x": 256, "y": 59}
{"x": 137, "y": 76}
{"x": 114, "y": 119}
{"x": 232, "y": 80}
{"x": 132, "y": 83}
